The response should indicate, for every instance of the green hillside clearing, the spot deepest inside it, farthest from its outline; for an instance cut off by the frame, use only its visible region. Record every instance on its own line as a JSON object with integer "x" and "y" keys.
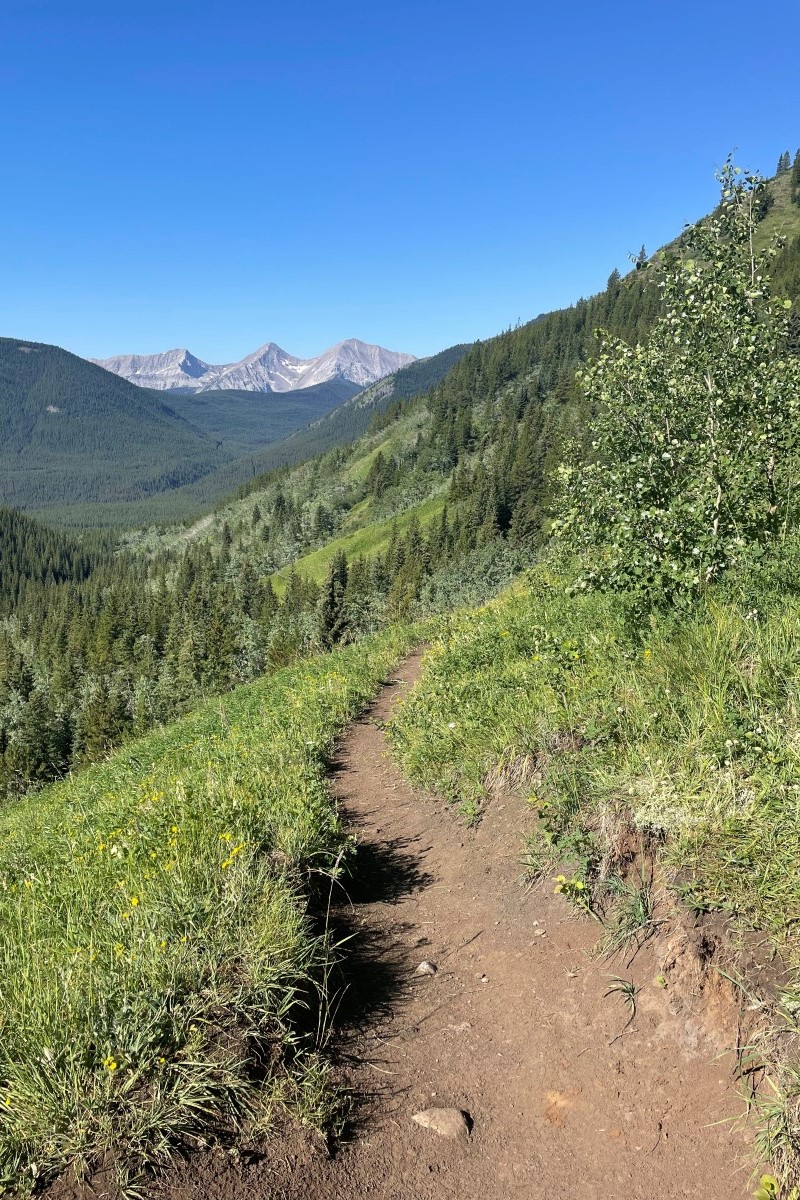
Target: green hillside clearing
{"x": 372, "y": 539}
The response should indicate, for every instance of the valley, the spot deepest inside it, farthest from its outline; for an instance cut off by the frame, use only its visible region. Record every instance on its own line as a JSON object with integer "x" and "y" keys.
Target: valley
{"x": 84, "y": 447}
{"x": 489, "y": 661}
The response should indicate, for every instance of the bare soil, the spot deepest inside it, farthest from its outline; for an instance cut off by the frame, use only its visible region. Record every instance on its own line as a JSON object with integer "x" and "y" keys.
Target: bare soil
{"x": 564, "y": 1096}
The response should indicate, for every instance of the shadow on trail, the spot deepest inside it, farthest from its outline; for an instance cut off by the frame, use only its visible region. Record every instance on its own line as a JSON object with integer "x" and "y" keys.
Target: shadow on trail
{"x": 372, "y": 981}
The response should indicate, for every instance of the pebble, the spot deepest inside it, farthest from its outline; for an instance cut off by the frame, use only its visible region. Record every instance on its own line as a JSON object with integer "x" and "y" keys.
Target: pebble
{"x": 426, "y": 968}
{"x": 447, "y": 1122}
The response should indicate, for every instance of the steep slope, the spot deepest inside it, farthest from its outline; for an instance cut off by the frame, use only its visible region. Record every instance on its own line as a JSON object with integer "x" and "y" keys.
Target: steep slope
{"x": 268, "y": 369}
{"x": 164, "y": 951}
{"x": 484, "y": 440}
{"x": 70, "y": 431}
{"x": 642, "y": 746}
{"x": 34, "y": 556}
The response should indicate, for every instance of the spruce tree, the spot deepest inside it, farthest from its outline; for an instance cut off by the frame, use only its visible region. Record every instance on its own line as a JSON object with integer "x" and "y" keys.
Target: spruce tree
{"x": 331, "y": 616}
{"x": 794, "y": 182}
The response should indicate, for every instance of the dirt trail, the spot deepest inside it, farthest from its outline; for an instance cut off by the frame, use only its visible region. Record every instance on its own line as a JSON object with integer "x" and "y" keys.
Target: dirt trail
{"x": 514, "y": 1028}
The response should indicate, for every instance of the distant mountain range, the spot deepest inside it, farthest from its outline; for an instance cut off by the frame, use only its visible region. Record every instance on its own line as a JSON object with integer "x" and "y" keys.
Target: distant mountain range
{"x": 268, "y": 369}
{"x": 82, "y": 446}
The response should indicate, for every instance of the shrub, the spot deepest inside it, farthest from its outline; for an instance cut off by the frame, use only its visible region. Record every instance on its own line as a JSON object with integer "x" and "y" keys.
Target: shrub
{"x": 694, "y": 443}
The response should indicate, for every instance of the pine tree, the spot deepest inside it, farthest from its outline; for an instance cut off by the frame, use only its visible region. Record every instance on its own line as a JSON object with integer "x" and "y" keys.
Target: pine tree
{"x": 794, "y": 182}
{"x": 323, "y": 523}
{"x": 332, "y": 621}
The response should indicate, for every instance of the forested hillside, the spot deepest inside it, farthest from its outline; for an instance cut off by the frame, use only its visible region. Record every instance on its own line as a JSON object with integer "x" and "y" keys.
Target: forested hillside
{"x": 248, "y": 434}
{"x": 71, "y": 431}
{"x": 33, "y": 555}
{"x": 637, "y": 687}
{"x": 80, "y": 445}
{"x": 443, "y": 498}
{"x": 250, "y": 419}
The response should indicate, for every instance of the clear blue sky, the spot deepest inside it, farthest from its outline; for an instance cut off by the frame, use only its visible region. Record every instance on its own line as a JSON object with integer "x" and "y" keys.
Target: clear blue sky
{"x": 220, "y": 174}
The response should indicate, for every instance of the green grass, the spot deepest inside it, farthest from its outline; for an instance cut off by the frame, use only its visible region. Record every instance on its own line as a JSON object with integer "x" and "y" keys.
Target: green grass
{"x": 686, "y": 734}
{"x": 783, "y": 220}
{"x": 359, "y": 469}
{"x": 371, "y": 539}
{"x": 154, "y": 940}
{"x": 358, "y": 514}
{"x": 695, "y": 728}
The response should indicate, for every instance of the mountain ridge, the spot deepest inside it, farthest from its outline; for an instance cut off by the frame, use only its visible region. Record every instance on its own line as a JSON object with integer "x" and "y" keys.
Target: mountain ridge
{"x": 270, "y": 368}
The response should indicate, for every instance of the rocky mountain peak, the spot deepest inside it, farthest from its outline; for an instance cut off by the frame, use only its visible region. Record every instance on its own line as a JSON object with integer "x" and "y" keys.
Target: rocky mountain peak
{"x": 267, "y": 369}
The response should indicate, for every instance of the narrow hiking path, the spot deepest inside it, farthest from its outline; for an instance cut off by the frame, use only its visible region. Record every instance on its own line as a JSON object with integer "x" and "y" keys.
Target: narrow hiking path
{"x": 514, "y": 1028}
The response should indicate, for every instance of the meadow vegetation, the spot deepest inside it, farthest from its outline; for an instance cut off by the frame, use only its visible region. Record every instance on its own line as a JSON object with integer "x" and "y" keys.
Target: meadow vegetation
{"x": 159, "y": 972}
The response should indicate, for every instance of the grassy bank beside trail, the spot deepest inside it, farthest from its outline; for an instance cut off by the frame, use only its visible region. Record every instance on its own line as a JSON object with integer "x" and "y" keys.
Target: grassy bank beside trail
{"x": 687, "y": 731}
{"x": 154, "y": 941}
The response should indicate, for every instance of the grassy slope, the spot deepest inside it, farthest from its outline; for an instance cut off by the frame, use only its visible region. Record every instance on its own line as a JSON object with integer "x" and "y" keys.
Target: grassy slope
{"x": 612, "y": 731}
{"x": 783, "y": 220}
{"x": 689, "y": 734}
{"x": 364, "y": 528}
{"x": 373, "y": 538}
{"x": 153, "y": 936}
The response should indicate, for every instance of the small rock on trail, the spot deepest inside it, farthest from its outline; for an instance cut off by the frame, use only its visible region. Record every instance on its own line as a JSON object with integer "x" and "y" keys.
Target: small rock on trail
{"x": 426, "y": 968}
{"x": 447, "y": 1122}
